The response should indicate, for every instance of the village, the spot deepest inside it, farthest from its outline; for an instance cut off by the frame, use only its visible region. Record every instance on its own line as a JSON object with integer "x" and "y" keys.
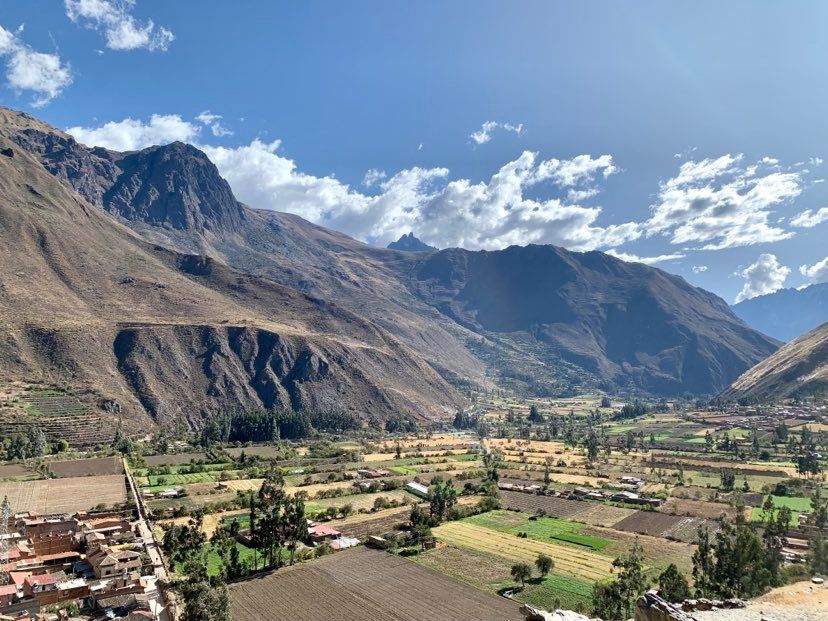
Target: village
{"x": 91, "y": 535}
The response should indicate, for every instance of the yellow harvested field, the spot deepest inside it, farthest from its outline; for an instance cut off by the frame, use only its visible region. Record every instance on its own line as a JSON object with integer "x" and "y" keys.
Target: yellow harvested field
{"x": 68, "y": 495}
{"x": 375, "y": 457}
{"x": 244, "y": 485}
{"x": 426, "y": 443}
{"x": 315, "y": 488}
{"x": 569, "y": 560}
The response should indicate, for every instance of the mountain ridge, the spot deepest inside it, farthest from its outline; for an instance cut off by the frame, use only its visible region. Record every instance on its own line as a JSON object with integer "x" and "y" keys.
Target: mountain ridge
{"x": 797, "y": 369}
{"x": 788, "y": 313}
{"x": 159, "y": 337}
{"x": 553, "y": 321}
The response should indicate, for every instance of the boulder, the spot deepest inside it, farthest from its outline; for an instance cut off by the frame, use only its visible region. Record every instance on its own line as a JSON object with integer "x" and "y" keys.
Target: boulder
{"x": 650, "y": 607}
{"x": 536, "y": 614}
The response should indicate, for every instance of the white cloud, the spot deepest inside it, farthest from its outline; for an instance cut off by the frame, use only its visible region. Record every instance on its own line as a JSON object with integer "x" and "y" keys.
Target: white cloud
{"x": 372, "y": 177}
{"x": 489, "y": 214}
{"x": 722, "y": 204}
{"x": 484, "y": 134}
{"x": 816, "y": 273}
{"x": 121, "y": 30}
{"x": 213, "y": 121}
{"x": 815, "y": 161}
{"x": 44, "y": 74}
{"x": 569, "y": 173}
{"x": 808, "y": 219}
{"x": 632, "y": 258}
{"x": 698, "y": 269}
{"x": 132, "y": 134}
{"x": 764, "y": 276}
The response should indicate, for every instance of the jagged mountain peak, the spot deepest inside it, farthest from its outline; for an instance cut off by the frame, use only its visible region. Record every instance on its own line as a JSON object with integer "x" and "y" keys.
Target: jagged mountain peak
{"x": 410, "y": 243}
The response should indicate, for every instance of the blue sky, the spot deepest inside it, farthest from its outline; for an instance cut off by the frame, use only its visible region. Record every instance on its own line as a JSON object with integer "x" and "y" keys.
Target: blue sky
{"x": 690, "y": 130}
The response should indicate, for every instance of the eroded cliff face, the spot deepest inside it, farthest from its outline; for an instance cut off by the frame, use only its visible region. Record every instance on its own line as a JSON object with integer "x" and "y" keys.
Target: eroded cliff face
{"x": 189, "y": 371}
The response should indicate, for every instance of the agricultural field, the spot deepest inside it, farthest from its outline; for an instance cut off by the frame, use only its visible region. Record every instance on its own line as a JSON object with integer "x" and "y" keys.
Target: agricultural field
{"x": 540, "y": 529}
{"x": 174, "y": 459}
{"x": 67, "y": 495}
{"x": 364, "y": 585}
{"x": 571, "y": 560}
{"x": 86, "y": 467}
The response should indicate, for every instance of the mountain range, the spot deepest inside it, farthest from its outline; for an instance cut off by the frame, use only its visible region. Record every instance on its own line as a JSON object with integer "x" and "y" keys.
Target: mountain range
{"x": 139, "y": 277}
{"x": 799, "y": 368}
{"x": 788, "y": 313}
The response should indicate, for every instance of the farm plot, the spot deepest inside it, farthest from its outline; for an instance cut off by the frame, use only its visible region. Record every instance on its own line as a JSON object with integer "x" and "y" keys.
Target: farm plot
{"x": 599, "y": 514}
{"x": 649, "y": 523}
{"x": 688, "y": 529}
{"x": 358, "y": 501}
{"x": 87, "y": 467}
{"x": 364, "y": 585}
{"x": 363, "y": 524}
{"x": 549, "y": 505}
{"x": 540, "y": 529}
{"x": 698, "y": 508}
{"x": 569, "y": 560}
{"x": 173, "y": 459}
{"x": 65, "y": 495}
{"x": 658, "y": 552}
{"x": 8, "y": 471}
{"x": 491, "y": 573}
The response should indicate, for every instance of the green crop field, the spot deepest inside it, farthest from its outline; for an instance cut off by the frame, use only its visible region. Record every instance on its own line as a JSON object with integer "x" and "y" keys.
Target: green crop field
{"x": 572, "y": 593}
{"x": 540, "y": 529}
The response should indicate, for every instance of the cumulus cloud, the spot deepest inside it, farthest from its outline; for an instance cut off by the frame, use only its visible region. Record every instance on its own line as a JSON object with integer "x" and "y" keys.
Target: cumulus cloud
{"x": 808, "y": 219}
{"x": 489, "y": 214}
{"x": 721, "y": 203}
{"x": 121, "y": 30}
{"x": 133, "y": 134}
{"x": 372, "y": 177}
{"x": 718, "y": 202}
{"x": 816, "y": 273}
{"x": 632, "y": 258}
{"x": 764, "y": 276}
{"x": 44, "y": 74}
{"x": 213, "y": 121}
{"x": 698, "y": 269}
{"x": 484, "y": 134}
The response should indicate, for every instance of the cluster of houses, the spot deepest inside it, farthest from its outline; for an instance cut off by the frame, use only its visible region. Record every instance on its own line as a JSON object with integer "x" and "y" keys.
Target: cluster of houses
{"x": 94, "y": 561}
{"x": 628, "y": 492}
{"x": 319, "y": 534}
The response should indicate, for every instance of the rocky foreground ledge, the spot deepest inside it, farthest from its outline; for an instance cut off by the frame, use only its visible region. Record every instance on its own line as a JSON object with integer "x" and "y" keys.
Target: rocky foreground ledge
{"x": 802, "y": 601}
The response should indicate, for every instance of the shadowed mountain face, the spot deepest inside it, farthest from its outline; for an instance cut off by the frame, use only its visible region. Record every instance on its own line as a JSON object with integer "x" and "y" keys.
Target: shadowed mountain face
{"x": 409, "y": 243}
{"x": 787, "y": 313}
{"x": 625, "y": 323}
{"x": 799, "y": 368}
{"x": 162, "y": 336}
{"x": 538, "y": 319}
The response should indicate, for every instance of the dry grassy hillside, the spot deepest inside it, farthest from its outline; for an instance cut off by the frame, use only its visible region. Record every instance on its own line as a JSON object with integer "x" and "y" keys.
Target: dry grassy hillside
{"x": 798, "y": 368}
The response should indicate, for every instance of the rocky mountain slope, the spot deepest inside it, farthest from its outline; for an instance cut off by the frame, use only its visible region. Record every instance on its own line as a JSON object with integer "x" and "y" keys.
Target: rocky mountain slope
{"x": 798, "y": 368}
{"x": 157, "y": 335}
{"x": 539, "y": 319}
{"x": 787, "y": 313}
{"x": 627, "y": 324}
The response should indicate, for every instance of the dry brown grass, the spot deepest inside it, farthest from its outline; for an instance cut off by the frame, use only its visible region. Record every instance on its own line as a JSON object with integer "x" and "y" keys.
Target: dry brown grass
{"x": 65, "y": 495}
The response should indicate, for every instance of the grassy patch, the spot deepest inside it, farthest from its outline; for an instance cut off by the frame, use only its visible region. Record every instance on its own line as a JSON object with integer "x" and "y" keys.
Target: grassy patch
{"x": 541, "y": 529}
{"x": 572, "y": 593}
